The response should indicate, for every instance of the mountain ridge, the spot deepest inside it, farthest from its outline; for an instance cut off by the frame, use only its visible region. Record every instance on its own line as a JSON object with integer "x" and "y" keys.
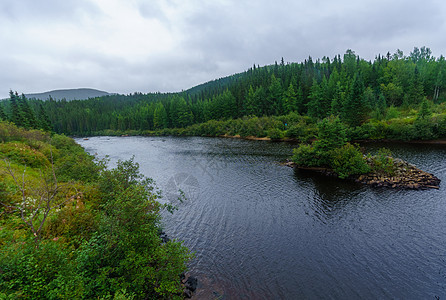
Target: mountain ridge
{"x": 69, "y": 94}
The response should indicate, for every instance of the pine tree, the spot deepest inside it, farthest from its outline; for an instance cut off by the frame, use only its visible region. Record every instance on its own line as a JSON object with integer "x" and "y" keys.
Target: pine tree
{"x": 184, "y": 114}
{"x": 251, "y": 105}
{"x": 300, "y": 101}
{"x": 369, "y": 98}
{"x": 314, "y": 106}
{"x": 290, "y": 101}
{"x": 16, "y": 113}
{"x": 337, "y": 103}
{"x": 44, "y": 122}
{"x": 381, "y": 107}
{"x": 275, "y": 96}
{"x": 415, "y": 92}
{"x": 355, "y": 110}
{"x": 29, "y": 119}
{"x": 160, "y": 116}
{"x": 3, "y": 116}
{"x": 425, "y": 110}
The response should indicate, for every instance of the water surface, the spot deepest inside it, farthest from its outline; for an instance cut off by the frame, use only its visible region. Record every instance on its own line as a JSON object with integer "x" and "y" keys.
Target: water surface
{"x": 264, "y": 231}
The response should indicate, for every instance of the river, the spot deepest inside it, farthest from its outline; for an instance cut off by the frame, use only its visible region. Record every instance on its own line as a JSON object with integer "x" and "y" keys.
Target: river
{"x": 260, "y": 230}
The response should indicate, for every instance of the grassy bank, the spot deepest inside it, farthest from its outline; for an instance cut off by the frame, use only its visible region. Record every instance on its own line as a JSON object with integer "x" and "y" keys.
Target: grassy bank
{"x": 71, "y": 229}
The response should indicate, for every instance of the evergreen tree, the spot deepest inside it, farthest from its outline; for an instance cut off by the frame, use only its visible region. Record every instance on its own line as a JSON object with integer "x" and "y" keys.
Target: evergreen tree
{"x": 29, "y": 119}
{"x": 16, "y": 113}
{"x": 260, "y": 97}
{"x": 290, "y": 101}
{"x": 160, "y": 116}
{"x": 369, "y": 98}
{"x": 251, "y": 103}
{"x": 337, "y": 104}
{"x": 425, "y": 110}
{"x": 300, "y": 101}
{"x": 184, "y": 114}
{"x": 275, "y": 97}
{"x": 381, "y": 107}
{"x": 314, "y": 106}
{"x": 3, "y": 116}
{"x": 415, "y": 91}
{"x": 355, "y": 110}
{"x": 44, "y": 122}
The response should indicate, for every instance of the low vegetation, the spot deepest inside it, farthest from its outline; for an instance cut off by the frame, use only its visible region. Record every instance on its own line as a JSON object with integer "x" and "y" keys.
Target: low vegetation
{"x": 72, "y": 229}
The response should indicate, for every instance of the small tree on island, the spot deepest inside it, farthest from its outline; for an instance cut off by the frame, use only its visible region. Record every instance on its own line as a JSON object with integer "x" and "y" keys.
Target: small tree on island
{"x": 331, "y": 150}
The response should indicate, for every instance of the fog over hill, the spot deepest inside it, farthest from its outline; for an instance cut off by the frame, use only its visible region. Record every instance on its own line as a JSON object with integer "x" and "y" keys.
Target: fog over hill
{"x": 68, "y": 94}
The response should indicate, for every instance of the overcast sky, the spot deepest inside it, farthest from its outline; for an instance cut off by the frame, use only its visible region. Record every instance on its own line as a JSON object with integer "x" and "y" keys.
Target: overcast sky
{"x": 125, "y": 46}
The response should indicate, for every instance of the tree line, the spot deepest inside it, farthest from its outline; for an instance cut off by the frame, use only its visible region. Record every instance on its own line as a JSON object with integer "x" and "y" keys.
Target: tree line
{"x": 350, "y": 87}
{"x": 19, "y": 111}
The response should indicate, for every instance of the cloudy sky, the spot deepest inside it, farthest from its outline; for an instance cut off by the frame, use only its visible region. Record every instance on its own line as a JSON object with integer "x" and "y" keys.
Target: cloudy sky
{"x": 125, "y": 46}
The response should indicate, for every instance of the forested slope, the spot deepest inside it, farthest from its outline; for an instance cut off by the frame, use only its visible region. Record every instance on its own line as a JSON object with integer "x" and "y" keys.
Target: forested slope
{"x": 391, "y": 90}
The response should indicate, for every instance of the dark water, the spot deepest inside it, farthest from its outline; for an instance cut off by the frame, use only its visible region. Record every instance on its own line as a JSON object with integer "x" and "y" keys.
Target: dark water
{"x": 264, "y": 231}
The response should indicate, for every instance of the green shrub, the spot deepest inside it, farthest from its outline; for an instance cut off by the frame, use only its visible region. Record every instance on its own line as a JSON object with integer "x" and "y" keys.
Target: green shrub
{"x": 294, "y": 131}
{"x": 305, "y": 155}
{"x": 23, "y": 154}
{"x": 126, "y": 251}
{"x": 46, "y": 272}
{"x": 348, "y": 160}
{"x": 392, "y": 113}
{"x": 382, "y": 162}
{"x": 275, "y": 134}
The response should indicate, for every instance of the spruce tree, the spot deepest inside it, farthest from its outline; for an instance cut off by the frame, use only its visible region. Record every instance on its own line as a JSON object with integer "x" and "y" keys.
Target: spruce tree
{"x": 3, "y": 116}
{"x": 275, "y": 96}
{"x": 314, "y": 106}
{"x": 29, "y": 119}
{"x": 44, "y": 122}
{"x": 290, "y": 102}
{"x": 251, "y": 105}
{"x": 16, "y": 113}
{"x": 160, "y": 117}
{"x": 425, "y": 110}
{"x": 355, "y": 110}
{"x": 415, "y": 91}
{"x": 381, "y": 107}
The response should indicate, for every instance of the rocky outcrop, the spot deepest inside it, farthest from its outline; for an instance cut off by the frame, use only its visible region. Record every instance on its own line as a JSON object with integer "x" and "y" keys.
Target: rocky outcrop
{"x": 404, "y": 176}
{"x": 164, "y": 237}
{"x": 190, "y": 285}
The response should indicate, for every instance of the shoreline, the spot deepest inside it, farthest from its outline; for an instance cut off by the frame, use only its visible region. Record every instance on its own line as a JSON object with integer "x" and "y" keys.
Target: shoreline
{"x": 441, "y": 141}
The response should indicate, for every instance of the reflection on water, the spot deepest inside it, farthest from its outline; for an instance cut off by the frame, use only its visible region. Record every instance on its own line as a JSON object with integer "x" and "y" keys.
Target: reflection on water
{"x": 264, "y": 231}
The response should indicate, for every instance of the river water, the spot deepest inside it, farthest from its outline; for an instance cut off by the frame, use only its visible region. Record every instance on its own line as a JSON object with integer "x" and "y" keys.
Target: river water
{"x": 260, "y": 230}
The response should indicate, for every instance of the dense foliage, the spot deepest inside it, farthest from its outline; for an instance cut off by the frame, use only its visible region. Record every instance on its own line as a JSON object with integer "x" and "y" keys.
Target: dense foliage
{"x": 331, "y": 150}
{"x": 392, "y": 97}
{"x": 72, "y": 229}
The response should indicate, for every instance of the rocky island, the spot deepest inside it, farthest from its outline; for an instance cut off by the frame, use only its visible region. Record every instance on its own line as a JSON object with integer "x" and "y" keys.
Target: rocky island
{"x": 404, "y": 176}
{"x": 332, "y": 155}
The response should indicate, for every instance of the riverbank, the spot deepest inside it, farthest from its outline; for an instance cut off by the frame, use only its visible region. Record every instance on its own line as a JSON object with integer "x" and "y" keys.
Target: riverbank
{"x": 440, "y": 141}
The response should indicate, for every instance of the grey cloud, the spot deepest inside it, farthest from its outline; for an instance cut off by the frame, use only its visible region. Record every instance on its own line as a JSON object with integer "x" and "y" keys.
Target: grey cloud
{"x": 48, "y": 11}
{"x": 219, "y": 38}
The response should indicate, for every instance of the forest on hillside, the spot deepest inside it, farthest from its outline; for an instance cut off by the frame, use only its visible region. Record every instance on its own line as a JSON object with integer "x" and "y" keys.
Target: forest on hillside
{"x": 360, "y": 92}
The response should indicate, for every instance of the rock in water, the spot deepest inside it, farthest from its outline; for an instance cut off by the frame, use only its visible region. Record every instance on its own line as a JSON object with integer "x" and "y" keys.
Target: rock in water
{"x": 191, "y": 283}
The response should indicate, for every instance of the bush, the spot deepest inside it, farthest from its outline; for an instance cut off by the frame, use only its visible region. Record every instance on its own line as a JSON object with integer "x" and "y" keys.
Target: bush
{"x": 382, "y": 162}
{"x": 305, "y": 155}
{"x": 275, "y": 134}
{"x": 46, "y": 272}
{"x": 348, "y": 160}
{"x": 126, "y": 252}
{"x": 23, "y": 154}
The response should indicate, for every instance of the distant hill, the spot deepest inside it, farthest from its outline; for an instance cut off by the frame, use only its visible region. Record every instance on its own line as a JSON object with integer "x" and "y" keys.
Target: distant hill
{"x": 69, "y": 94}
